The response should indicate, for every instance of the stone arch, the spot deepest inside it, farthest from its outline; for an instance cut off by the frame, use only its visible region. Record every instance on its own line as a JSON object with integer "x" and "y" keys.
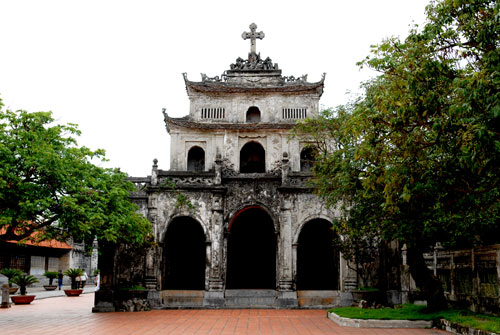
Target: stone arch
{"x": 196, "y": 159}
{"x": 252, "y": 158}
{"x": 184, "y": 213}
{"x": 306, "y": 220}
{"x": 317, "y": 261}
{"x": 247, "y": 205}
{"x": 253, "y": 115}
{"x": 184, "y": 254}
{"x": 251, "y": 250}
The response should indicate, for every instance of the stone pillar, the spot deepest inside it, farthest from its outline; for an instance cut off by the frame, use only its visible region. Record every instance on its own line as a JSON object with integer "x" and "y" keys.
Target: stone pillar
{"x": 405, "y": 277}
{"x": 214, "y": 293}
{"x": 218, "y": 169}
{"x": 286, "y": 296}
{"x": 104, "y": 298}
{"x": 5, "y": 296}
{"x": 154, "y": 173}
{"x": 151, "y": 280}
{"x": 284, "y": 169}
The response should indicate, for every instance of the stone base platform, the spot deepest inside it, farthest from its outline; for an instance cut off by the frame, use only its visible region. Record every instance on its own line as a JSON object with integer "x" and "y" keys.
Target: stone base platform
{"x": 250, "y": 298}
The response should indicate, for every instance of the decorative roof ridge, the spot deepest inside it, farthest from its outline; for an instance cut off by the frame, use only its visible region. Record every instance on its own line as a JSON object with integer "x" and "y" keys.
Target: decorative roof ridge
{"x": 188, "y": 122}
{"x": 283, "y": 80}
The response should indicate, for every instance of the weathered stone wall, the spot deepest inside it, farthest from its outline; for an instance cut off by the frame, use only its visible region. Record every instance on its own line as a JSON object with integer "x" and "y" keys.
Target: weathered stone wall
{"x": 228, "y": 143}
{"x": 195, "y": 195}
{"x": 236, "y": 105}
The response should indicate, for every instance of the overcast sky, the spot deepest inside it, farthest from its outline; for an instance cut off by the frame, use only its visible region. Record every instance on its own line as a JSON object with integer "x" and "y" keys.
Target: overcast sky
{"x": 111, "y": 66}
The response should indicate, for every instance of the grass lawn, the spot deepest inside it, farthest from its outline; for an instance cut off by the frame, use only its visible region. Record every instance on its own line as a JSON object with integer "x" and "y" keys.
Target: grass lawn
{"x": 415, "y": 312}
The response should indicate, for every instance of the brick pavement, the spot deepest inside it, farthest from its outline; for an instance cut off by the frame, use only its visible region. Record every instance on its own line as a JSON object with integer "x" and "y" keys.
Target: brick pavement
{"x": 64, "y": 315}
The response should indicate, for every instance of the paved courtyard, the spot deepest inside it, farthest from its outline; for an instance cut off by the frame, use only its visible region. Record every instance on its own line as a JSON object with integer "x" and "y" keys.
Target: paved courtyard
{"x": 63, "y": 315}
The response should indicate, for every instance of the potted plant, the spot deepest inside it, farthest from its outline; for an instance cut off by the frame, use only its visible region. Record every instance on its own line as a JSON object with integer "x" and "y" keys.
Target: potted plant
{"x": 51, "y": 275}
{"x": 23, "y": 280}
{"x": 73, "y": 273}
{"x": 11, "y": 273}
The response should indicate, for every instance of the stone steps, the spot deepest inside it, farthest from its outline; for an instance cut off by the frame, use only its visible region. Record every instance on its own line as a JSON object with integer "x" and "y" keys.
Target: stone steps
{"x": 250, "y": 298}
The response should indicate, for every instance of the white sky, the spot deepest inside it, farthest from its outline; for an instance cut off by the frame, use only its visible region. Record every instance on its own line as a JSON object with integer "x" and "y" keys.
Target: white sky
{"x": 111, "y": 66}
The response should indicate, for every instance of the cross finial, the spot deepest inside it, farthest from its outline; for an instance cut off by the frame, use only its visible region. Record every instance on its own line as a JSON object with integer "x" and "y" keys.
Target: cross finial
{"x": 253, "y": 35}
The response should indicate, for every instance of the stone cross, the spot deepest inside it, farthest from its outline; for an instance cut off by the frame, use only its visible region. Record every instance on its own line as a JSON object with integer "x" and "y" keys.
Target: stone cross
{"x": 253, "y": 35}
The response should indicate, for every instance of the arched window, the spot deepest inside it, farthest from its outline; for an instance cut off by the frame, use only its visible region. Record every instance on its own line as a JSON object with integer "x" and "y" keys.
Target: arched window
{"x": 196, "y": 159}
{"x": 252, "y": 158}
{"x": 307, "y": 159}
{"x": 253, "y": 115}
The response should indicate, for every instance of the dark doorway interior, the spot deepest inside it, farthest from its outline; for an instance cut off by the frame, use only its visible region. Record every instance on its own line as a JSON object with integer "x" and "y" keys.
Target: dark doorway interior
{"x": 196, "y": 159}
{"x": 252, "y": 158}
{"x": 253, "y": 114}
{"x": 317, "y": 259}
{"x": 184, "y": 255}
{"x": 307, "y": 159}
{"x": 251, "y": 251}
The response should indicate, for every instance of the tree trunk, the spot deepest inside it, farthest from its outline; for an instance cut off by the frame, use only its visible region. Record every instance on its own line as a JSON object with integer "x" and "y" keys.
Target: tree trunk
{"x": 425, "y": 280}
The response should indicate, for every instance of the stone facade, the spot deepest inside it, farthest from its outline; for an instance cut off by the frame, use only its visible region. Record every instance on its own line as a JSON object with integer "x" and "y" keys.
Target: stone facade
{"x": 235, "y": 219}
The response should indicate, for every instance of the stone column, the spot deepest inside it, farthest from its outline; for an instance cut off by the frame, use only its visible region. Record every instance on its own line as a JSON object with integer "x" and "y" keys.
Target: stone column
{"x": 150, "y": 277}
{"x": 104, "y": 298}
{"x": 214, "y": 293}
{"x": 286, "y": 296}
{"x": 218, "y": 169}
{"x": 5, "y": 296}
{"x": 285, "y": 166}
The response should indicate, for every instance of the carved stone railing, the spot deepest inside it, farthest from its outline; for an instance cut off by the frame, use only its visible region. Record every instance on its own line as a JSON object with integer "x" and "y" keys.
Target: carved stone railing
{"x": 173, "y": 179}
{"x": 141, "y": 184}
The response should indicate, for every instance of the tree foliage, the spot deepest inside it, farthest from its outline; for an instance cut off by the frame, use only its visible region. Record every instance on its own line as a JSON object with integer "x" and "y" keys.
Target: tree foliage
{"x": 416, "y": 157}
{"x": 50, "y": 188}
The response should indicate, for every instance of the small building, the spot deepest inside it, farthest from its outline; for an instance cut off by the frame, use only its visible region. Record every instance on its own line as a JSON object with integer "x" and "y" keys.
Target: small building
{"x": 35, "y": 258}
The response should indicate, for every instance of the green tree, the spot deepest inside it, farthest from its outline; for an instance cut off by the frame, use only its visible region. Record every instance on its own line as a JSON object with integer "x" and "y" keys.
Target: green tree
{"x": 50, "y": 188}
{"x": 416, "y": 157}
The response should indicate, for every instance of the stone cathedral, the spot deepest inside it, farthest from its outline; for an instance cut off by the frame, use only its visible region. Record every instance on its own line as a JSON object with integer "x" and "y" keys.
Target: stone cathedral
{"x": 235, "y": 221}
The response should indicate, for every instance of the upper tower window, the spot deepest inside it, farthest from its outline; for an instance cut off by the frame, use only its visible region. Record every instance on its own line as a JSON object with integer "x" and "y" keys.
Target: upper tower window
{"x": 252, "y": 158}
{"x": 213, "y": 113}
{"x": 294, "y": 113}
{"x": 253, "y": 115}
{"x": 196, "y": 159}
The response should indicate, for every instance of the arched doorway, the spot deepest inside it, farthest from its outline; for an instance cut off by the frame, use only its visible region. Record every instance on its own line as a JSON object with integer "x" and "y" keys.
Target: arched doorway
{"x": 252, "y": 158}
{"x": 317, "y": 259}
{"x": 253, "y": 115}
{"x": 196, "y": 159}
{"x": 184, "y": 255}
{"x": 251, "y": 251}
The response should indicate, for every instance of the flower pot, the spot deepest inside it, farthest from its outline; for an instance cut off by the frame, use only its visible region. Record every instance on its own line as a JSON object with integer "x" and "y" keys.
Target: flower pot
{"x": 22, "y": 299}
{"x": 73, "y": 293}
{"x": 50, "y": 287}
{"x": 13, "y": 290}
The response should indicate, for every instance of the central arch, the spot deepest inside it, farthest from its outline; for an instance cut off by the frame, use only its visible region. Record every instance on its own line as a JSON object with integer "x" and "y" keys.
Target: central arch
{"x": 251, "y": 250}
{"x": 184, "y": 255}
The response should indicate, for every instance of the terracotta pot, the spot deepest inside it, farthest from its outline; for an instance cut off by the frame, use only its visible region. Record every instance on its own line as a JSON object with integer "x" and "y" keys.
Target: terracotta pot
{"x": 22, "y": 299}
{"x": 50, "y": 287}
{"x": 73, "y": 293}
{"x": 13, "y": 290}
